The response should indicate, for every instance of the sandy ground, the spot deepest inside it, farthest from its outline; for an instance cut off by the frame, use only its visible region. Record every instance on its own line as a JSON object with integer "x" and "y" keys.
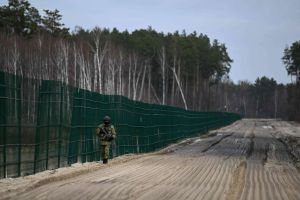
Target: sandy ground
{"x": 251, "y": 159}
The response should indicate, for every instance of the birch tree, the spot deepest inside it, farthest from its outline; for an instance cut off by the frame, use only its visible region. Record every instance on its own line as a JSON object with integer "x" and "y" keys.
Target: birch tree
{"x": 136, "y": 74}
{"x": 99, "y": 55}
{"x": 162, "y": 59}
{"x": 179, "y": 87}
{"x": 143, "y": 81}
{"x": 120, "y": 71}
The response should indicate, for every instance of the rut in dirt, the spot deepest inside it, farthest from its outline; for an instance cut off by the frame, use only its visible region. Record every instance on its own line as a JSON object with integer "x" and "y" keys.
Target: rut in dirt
{"x": 241, "y": 161}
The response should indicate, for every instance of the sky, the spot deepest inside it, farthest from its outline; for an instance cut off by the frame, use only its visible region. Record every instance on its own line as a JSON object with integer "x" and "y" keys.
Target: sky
{"x": 255, "y": 32}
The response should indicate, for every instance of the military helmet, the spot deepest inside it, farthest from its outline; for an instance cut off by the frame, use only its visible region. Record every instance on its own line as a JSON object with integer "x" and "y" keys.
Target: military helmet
{"x": 106, "y": 120}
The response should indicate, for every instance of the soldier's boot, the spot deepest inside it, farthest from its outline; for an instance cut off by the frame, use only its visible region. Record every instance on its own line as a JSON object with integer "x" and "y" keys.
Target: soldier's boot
{"x": 104, "y": 161}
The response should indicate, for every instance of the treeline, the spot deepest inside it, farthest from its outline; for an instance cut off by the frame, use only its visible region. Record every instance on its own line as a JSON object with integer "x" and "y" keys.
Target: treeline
{"x": 264, "y": 98}
{"x": 178, "y": 69}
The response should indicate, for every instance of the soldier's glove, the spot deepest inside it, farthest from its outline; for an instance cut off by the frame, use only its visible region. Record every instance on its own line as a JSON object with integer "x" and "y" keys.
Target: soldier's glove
{"x": 109, "y": 137}
{"x": 102, "y": 135}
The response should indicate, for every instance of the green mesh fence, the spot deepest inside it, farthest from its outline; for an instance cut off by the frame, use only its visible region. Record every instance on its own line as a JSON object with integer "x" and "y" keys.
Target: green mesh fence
{"x": 47, "y": 125}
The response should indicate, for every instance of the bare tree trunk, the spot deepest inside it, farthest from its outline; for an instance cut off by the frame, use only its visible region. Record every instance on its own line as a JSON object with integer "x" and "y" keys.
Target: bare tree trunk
{"x": 75, "y": 65}
{"x": 155, "y": 95}
{"x": 129, "y": 77}
{"x": 110, "y": 78}
{"x": 136, "y": 77}
{"x": 198, "y": 94}
{"x": 15, "y": 60}
{"x": 185, "y": 87}
{"x": 208, "y": 98}
{"x": 149, "y": 85}
{"x": 143, "y": 81}
{"x": 202, "y": 96}
{"x": 173, "y": 82}
{"x": 84, "y": 74}
{"x": 120, "y": 73}
{"x": 99, "y": 55}
{"x": 257, "y": 103}
{"x": 179, "y": 86}
{"x": 195, "y": 89}
{"x": 162, "y": 59}
{"x": 65, "y": 64}
{"x": 177, "y": 92}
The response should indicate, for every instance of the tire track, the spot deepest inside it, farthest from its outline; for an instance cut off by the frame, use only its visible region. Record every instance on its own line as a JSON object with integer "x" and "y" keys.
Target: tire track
{"x": 242, "y": 161}
{"x": 238, "y": 182}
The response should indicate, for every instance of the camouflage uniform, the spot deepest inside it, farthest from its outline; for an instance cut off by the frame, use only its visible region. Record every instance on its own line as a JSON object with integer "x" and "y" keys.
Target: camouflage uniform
{"x": 102, "y": 131}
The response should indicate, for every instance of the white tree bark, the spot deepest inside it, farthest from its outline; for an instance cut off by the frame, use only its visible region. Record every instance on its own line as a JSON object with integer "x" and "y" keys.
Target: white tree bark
{"x": 15, "y": 56}
{"x": 135, "y": 77}
{"x": 173, "y": 81}
{"x": 162, "y": 59}
{"x": 155, "y": 95}
{"x": 149, "y": 84}
{"x": 14, "y": 62}
{"x": 179, "y": 86}
{"x": 129, "y": 77}
{"x": 84, "y": 74}
{"x": 143, "y": 81}
{"x": 99, "y": 55}
{"x": 75, "y": 64}
{"x": 120, "y": 67}
{"x": 110, "y": 78}
{"x": 65, "y": 64}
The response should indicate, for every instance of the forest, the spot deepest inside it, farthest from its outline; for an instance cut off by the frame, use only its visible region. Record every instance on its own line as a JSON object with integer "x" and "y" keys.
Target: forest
{"x": 188, "y": 70}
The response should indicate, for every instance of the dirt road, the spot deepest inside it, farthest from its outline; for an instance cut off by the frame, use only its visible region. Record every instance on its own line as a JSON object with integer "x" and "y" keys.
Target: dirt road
{"x": 251, "y": 159}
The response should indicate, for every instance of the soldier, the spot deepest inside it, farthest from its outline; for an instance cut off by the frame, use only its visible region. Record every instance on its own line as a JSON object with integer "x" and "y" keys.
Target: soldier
{"x": 106, "y": 133}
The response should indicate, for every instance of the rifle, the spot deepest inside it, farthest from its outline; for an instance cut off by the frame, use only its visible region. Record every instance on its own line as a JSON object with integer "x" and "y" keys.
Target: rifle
{"x": 105, "y": 135}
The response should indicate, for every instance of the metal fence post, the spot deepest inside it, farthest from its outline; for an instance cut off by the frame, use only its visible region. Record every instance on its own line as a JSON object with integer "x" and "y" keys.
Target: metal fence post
{"x": 137, "y": 144}
{"x": 48, "y": 125}
{"x": 19, "y": 118}
{"x": 36, "y": 149}
{"x": 3, "y": 100}
{"x": 60, "y": 125}
{"x": 4, "y": 150}
{"x": 4, "y": 153}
